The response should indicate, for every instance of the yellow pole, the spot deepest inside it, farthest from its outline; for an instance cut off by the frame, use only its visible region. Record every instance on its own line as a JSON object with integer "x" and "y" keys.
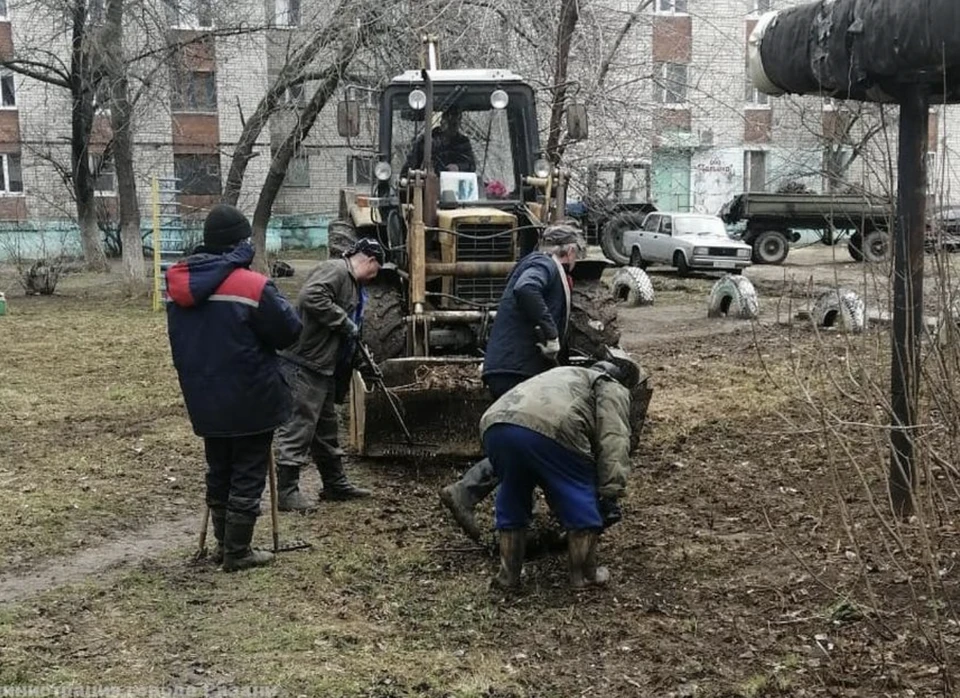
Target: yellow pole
{"x": 155, "y": 205}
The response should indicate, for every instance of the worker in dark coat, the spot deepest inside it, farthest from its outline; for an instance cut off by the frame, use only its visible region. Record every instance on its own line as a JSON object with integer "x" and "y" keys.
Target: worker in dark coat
{"x": 451, "y": 150}
{"x": 526, "y": 338}
{"x": 331, "y": 305}
{"x": 226, "y": 324}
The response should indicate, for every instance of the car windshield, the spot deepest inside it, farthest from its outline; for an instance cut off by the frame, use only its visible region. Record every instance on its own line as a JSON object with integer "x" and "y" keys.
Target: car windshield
{"x": 471, "y": 146}
{"x": 694, "y": 225}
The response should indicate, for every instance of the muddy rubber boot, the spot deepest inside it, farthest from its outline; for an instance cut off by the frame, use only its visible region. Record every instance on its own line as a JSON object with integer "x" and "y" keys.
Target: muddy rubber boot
{"x": 218, "y": 517}
{"x": 336, "y": 486}
{"x": 512, "y": 547}
{"x": 289, "y": 496}
{"x": 582, "y": 552}
{"x": 237, "y": 534}
{"x": 463, "y": 496}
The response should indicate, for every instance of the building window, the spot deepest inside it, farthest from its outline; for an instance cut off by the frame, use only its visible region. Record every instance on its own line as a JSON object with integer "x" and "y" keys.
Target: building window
{"x": 12, "y": 175}
{"x": 288, "y": 13}
{"x": 298, "y": 171}
{"x": 670, "y": 83}
{"x": 190, "y": 14}
{"x": 95, "y": 11}
{"x": 194, "y": 91}
{"x": 4, "y": 13}
{"x": 198, "y": 175}
{"x": 760, "y": 6}
{"x": 671, "y": 7}
{"x": 755, "y": 97}
{"x": 359, "y": 170}
{"x": 754, "y": 170}
{"x": 104, "y": 175}
{"x": 8, "y": 90}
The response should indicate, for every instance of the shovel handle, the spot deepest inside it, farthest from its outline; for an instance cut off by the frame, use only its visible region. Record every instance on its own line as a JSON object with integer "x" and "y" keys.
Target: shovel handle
{"x": 274, "y": 504}
{"x": 202, "y": 543}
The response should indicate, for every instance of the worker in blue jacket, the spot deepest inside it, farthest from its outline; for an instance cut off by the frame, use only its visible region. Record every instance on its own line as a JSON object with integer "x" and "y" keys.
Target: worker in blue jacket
{"x": 525, "y": 340}
{"x": 226, "y": 324}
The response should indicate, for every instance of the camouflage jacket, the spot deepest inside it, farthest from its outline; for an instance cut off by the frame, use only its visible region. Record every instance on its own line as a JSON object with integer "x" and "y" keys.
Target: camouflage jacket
{"x": 582, "y": 410}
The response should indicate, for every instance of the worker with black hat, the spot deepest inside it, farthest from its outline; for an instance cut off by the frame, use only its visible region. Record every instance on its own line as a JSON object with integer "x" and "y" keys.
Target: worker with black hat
{"x": 331, "y": 305}
{"x": 226, "y": 324}
{"x": 525, "y": 340}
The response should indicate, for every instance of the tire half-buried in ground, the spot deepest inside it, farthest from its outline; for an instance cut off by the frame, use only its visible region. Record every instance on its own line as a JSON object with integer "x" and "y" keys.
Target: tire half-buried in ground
{"x": 632, "y": 287}
{"x": 841, "y": 308}
{"x": 733, "y": 296}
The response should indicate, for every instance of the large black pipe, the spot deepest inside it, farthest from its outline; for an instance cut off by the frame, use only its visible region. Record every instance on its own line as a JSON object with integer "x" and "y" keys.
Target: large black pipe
{"x": 862, "y": 49}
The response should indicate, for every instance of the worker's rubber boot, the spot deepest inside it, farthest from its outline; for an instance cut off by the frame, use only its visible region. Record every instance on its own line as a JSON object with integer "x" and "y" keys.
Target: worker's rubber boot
{"x": 289, "y": 496}
{"x": 512, "y": 547}
{"x": 582, "y": 552}
{"x": 237, "y": 553}
{"x": 218, "y": 517}
{"x": 336, "y": 486}
{"x": 463, "y": 496}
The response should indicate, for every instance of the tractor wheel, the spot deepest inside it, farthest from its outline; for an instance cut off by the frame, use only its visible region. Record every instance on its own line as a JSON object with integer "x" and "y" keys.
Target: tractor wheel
{"x": 632, "y": 287}
{"x": 593, "y": 319}
{"x": 340, "y": 237}
{"x": 770, "y": 247}
{"x": 611, "y": 236}
{"x": 384, "y": 328}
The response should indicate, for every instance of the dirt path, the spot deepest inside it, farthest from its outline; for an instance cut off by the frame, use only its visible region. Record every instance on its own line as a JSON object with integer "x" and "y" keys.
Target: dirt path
{"x": 110, "y": 558}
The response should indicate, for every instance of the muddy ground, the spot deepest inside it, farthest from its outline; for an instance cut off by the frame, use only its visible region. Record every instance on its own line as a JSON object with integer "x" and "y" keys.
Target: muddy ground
{"x": 756, "y": 557}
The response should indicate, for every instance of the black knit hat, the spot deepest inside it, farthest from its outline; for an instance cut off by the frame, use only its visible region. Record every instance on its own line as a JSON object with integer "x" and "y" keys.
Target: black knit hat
{"x": 225, "y": 226}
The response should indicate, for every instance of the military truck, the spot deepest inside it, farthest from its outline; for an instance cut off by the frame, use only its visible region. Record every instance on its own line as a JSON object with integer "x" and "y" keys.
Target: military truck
{"x": 771, "y": 222}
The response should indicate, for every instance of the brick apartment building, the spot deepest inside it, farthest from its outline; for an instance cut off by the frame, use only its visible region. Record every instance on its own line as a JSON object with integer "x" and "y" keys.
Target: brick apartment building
{"x": 705, "y": 131}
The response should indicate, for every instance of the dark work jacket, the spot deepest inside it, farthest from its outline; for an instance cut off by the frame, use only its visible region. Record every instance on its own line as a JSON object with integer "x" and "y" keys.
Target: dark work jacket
{"x": 330, "y": 295}
{"x": 458, "y": 151}
{"x": 534, "y": 296}
{"x": 226, "y": 324}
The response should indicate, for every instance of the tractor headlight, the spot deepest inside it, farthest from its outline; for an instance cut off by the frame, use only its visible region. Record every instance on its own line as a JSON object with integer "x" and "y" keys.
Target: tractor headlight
{"x": 417, "y": 100}
{"x": 382, "y": 171}
{"x": 701, "y": 251}
{"x": 743, "y": 253}
{"x": 499, "y": 99}
{"x": 541, "y": 168}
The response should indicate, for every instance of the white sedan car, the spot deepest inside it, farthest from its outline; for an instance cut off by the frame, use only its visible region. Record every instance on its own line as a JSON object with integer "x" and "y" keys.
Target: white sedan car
{"x": 687, "y": 241}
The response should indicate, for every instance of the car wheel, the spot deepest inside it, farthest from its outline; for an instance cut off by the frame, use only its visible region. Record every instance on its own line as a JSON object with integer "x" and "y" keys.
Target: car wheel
{"x": 680, "y": 262}
{"x": 876, "y": 246}
{"x": 637, "y": 260}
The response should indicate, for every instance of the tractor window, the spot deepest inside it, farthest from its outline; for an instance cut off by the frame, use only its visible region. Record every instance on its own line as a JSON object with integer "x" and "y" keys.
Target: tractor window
{"x": 478, "y": 141}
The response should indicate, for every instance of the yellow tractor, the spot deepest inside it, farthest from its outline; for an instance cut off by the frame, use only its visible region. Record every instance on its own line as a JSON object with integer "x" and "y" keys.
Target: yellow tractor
{"x": 453, "y": 236}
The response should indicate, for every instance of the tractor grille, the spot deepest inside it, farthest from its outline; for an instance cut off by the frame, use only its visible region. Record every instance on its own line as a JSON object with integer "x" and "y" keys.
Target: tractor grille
{"x": 483, "y": 243}
{"x": 723, "y": 252}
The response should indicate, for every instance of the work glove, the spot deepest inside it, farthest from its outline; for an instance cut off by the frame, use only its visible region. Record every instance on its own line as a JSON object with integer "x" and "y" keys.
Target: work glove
{"x": 610, "y": 511}
{"x": 550, "y": 349}
{"x": 350, "y": 329}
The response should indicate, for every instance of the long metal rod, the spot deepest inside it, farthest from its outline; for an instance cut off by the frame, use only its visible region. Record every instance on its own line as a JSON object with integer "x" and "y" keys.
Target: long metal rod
{"x": 908, "y": 293}
{"x": 469, "y": 269}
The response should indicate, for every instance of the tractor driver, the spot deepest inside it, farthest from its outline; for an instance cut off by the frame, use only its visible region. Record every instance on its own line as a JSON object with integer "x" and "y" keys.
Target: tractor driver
{"x": 452, "y": 151}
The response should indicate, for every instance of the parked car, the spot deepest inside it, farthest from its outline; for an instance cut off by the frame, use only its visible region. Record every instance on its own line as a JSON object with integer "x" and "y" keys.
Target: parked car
{"x": 687, "y": 241}
{"x": 943, "y": 229}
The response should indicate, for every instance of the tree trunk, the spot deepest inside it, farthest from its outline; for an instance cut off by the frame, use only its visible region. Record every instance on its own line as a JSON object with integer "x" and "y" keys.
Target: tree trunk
{"x": 291, "y": 73}
{"x": 120, "y": 117}
{"x": 81, "y": 93}
{"x": 278, "y": 166}
{"x": 569, "y": 16}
